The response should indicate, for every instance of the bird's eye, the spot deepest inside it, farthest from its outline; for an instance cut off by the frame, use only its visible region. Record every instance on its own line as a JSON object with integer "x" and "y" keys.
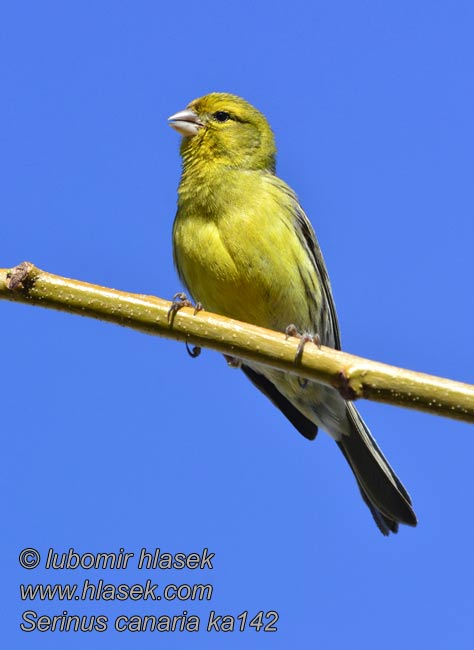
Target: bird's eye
{"x": 221, "y": 116}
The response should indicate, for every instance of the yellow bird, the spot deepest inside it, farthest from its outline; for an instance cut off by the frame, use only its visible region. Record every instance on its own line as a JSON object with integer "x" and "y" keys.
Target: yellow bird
{"x": 244, "y": 248}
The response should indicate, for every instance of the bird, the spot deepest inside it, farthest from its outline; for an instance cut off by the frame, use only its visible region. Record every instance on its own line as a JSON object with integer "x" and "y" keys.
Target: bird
{"x": 244, "y": 248}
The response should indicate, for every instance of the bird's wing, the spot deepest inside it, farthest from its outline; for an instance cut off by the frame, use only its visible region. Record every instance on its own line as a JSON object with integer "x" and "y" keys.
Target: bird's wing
{"x": 308, "y": 239}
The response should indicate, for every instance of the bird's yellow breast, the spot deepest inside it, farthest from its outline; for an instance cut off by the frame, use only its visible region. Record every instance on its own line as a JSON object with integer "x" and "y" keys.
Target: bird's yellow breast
{"x": 237, "y": 251}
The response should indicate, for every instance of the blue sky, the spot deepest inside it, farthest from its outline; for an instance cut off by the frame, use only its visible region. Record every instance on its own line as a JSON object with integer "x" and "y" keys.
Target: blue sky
{"x": 112, "y": 439}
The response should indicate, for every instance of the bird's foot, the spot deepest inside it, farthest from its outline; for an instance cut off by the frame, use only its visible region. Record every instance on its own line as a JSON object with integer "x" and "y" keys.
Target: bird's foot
{"x": 180, "y": 300}
{"x": 304, "y": 338}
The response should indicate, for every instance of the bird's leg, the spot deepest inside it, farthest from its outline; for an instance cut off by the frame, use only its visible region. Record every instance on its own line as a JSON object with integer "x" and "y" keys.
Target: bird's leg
{"x": 180, "y": 300}
{"x": 304, "y": 338}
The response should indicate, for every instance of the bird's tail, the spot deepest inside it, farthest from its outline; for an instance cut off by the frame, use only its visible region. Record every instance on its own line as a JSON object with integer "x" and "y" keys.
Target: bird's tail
{"x": 381, "y": 489}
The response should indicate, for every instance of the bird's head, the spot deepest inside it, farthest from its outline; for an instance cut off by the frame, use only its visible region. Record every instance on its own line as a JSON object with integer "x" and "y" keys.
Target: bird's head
{"x": 225, "y": 130}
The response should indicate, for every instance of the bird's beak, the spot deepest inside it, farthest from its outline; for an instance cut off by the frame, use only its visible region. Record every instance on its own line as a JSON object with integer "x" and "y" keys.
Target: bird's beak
{"x": 186, "y": 122}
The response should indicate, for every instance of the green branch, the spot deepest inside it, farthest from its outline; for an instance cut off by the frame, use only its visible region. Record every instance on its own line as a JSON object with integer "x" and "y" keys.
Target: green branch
{"x": 353, "y": 376}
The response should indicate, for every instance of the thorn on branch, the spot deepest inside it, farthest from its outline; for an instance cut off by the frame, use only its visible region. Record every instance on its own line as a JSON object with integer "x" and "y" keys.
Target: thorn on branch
{"x": 20, "y": 275}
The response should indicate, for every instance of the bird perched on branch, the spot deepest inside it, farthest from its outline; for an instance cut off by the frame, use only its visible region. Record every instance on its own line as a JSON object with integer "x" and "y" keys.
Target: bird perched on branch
{"x": 245, "y": 249}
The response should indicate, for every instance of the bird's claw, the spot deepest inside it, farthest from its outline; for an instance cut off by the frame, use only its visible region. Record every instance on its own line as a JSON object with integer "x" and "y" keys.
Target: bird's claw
{"x": 304, "y": 338}
{"x": 193, "y": 352}
{"x": 180, "y": 300}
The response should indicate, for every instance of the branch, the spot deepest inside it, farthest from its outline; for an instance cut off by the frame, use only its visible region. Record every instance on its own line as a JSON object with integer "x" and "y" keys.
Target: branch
{"x": 353, "y": 376}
